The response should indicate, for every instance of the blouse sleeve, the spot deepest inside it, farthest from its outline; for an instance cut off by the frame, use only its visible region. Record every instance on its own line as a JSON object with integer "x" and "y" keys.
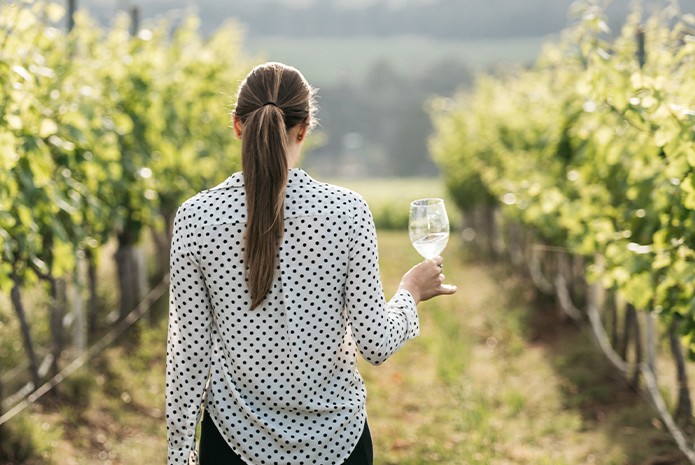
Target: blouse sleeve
{"x": 378, "y": 328}
{"x": 188, "y": 346}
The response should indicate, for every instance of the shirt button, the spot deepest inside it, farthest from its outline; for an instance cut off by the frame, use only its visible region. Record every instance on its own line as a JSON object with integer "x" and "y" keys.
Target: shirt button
{"x": 190, "y": 434}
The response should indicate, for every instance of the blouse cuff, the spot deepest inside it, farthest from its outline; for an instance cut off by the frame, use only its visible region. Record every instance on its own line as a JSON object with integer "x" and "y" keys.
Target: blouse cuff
{"x": 404, "y": 301}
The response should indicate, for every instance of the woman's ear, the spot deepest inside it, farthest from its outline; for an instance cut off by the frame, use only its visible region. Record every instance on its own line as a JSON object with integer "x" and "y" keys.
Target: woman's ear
{"x": 303, "y": 129}
{"x": 238, "y": 126}
{"x": 301, "y": 132}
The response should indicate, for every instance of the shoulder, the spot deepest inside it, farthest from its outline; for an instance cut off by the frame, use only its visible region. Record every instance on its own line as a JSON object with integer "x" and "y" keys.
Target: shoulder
{"x": 206, "y": 206}
{"x": 338, "y": 194}
{"x": 343, "y": 194}
{"x": 194, "y": 207}
{"x": 307, "y": 196}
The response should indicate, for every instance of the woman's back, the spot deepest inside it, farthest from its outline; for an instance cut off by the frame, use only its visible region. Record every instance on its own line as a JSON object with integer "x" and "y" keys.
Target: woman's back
{"x": 275, "y": 287}
{"x": 290, "y": 363}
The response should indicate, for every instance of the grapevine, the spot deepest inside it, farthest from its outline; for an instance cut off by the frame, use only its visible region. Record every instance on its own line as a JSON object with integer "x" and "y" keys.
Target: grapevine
{"x": 592, "y": 152}
{"x": 103, "y": 133}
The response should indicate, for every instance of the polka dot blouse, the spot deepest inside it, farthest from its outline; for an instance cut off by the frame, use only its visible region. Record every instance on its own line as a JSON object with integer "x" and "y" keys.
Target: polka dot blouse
{"x": 280, "y": 381}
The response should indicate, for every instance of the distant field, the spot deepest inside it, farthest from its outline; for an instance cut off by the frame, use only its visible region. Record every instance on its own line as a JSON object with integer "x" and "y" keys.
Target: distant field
{"x": 384, "y": 191}
{"x": 389, "y": 198}
{"x": 327, "y": 60}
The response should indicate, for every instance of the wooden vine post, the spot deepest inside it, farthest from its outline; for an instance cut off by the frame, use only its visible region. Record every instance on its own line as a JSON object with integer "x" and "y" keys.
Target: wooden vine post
{"x": 684, "y": 408}
{"x": 16, "y": 297}
{"x": 72, "y": 7}
{"x": 134, "y": 21}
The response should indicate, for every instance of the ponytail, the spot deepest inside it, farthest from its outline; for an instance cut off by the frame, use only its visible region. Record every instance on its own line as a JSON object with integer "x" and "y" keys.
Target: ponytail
{"x": 271, "y": 100}
{"x": 264, "y": 161}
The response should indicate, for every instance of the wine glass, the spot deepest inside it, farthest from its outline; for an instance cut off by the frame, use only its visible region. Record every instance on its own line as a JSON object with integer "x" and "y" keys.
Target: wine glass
{"x": 428, "y": 226}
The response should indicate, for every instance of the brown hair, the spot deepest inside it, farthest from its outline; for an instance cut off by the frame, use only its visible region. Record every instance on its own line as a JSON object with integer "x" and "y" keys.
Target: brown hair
{"x": 272, "y": 99}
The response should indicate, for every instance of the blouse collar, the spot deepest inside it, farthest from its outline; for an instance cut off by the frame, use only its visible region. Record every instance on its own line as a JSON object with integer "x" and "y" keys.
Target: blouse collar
{"x": 295, "y": 176}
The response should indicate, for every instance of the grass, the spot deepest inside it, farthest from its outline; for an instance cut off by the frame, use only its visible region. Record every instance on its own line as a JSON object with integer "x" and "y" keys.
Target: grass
{"x": 388, "y": 191}
{"x": 494, "y": 379}
{"x": 112, "y": 412}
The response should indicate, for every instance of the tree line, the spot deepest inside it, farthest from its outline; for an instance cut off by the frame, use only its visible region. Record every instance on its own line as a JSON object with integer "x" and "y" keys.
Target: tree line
{"x": 451, "y": 19}
{"x": 380, "y": 126}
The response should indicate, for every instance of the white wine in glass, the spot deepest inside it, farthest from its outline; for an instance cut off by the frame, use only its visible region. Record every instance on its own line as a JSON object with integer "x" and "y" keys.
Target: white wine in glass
{"x": 428, "y": 226}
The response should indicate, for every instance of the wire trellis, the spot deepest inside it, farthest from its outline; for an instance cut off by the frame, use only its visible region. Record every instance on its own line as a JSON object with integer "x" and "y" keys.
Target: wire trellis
{"x": 28, "y": 395}
{"x": 549, "y": 269}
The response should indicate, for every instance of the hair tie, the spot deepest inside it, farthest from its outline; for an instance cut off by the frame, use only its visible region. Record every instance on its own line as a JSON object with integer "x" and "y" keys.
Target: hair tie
{"x": 269, "y": 102}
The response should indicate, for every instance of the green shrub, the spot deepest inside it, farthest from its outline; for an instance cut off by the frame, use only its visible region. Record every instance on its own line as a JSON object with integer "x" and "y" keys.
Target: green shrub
{"x": 391, "y": 216}
{"x": 24, "y": 441}
{"x": 77, "y": 389}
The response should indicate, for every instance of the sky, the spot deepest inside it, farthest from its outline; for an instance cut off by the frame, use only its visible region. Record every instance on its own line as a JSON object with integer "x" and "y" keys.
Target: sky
{"x": 213, "y": 13}
{"x": 104, "y": 9}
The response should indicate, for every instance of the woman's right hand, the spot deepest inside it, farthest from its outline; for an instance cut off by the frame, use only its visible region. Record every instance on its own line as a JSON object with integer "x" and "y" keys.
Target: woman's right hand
{"x": 425, "y": 280}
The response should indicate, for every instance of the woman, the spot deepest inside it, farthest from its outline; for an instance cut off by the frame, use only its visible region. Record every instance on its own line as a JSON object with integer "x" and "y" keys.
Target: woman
{"x": 274, "y": 288}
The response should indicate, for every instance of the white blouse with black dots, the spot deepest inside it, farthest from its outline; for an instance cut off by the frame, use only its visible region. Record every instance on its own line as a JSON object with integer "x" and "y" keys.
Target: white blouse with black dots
{"x": 280, "y": 381}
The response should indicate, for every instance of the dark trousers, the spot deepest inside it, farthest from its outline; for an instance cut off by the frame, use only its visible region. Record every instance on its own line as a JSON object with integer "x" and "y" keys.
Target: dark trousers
{"x": 214, "y": 450}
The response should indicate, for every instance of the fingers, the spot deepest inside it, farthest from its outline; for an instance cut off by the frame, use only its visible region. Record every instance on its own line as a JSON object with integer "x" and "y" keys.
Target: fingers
{"x": 437, "y": 286}
{"x": 439, "y": 276}
{"x": 426, "y": 280}
{"x": 447, "y": 289}
{"x": 437, "y": 262}
{"x": 443, "y": 289}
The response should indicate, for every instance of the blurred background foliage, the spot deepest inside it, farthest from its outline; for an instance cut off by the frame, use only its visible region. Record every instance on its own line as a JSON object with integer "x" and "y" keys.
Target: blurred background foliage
{"x": 378, "y": 63}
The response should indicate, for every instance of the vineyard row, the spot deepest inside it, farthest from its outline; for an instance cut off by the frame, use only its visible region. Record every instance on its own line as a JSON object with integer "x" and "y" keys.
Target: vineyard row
{"x": 591, "y": 153}
{"x": 103, "y": 133}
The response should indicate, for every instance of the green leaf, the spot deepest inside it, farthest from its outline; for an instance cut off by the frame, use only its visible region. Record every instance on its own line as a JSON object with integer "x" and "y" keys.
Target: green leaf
{"x": 48, "y": 128}
{"x": 55, "y": 12}
{"x": 8, "y": 151}
{"x": 638, "y": 290}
